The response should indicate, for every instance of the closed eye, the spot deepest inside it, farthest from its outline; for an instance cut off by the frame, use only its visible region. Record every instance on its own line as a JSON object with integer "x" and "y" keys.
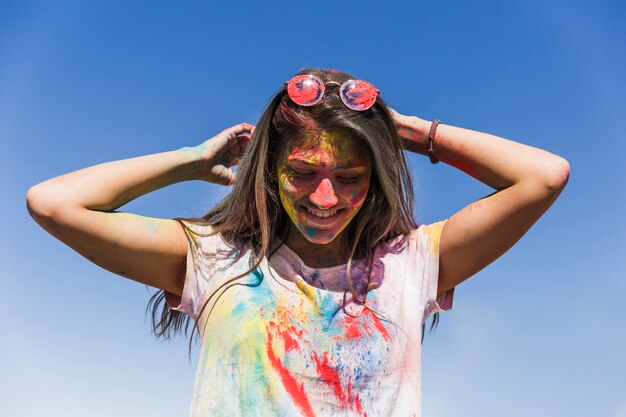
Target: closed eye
{"x": 349, "y": 179}
{"x": 301, "y": 174}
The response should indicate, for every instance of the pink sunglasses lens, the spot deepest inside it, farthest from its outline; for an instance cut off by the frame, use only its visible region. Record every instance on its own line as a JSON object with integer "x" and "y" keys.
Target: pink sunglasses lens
{"x": 305, "y": 90}
{"x": 358, "y": 95}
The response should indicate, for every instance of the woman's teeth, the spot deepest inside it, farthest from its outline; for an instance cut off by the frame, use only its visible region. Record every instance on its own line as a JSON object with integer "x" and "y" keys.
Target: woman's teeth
{"x": 322, "y": 214}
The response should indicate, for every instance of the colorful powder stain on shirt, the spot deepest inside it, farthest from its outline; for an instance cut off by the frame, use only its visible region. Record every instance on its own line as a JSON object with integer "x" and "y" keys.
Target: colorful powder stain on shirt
{"x": 282, "y": 345}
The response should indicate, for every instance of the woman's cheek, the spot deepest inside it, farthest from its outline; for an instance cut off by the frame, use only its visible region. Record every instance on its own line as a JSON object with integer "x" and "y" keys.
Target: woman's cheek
{"x": 357, "y": 196}
{"x": 285, "y": 192}
{"x": 289, "y": 194}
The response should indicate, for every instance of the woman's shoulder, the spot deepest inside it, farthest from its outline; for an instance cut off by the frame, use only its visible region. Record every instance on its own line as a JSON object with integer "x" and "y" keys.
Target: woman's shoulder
{"x": 427, "y": 235}
{"x": 430, "y": 229}
{"x": 208, "y": 239}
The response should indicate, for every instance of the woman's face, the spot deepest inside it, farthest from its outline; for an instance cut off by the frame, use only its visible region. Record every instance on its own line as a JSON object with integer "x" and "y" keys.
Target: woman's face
{"x": 327, "y": 175}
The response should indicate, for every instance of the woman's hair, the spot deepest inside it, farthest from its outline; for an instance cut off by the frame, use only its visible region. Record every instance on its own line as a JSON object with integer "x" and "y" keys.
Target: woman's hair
{"x": 252, "y": 212}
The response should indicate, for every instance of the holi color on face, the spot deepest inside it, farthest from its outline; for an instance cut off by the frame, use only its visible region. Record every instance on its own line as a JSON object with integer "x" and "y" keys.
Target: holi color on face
{"x": 328, "y": 173}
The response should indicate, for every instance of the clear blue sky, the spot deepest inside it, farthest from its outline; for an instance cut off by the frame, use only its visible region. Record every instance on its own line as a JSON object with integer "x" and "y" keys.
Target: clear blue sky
{"x": 541, "y": 332}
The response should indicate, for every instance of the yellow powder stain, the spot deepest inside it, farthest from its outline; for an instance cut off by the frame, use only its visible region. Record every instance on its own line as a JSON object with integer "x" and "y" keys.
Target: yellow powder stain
{"x": 307, "y": 289}
{"x": 433, "y": 232}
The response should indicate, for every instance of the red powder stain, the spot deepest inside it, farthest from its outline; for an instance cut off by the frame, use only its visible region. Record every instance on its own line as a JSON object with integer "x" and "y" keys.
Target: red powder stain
{"x": 352, "y": 328}
{"x": 465, "y": 166}
{"x": 290, "y": 342}
{"x": 474, "y": 205}
{"x": 379, "y": 325}
{"x": 288, "y": 334}
{"x": 359, "y": 407}
{"x": 330, "y": 376}
{"x": 295, "y": 390}
{"x": 349, "y": 389}
{"x": 296, "y": 150}
{"x": 462, "y": 164}
{"x": 356, "y": 328}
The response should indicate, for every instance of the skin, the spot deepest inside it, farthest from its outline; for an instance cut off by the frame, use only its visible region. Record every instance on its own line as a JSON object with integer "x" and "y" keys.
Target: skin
{"x": 325, "y": 172}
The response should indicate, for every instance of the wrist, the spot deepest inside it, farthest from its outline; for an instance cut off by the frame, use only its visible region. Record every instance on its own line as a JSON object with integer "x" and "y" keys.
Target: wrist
{"x": 192, "y": 163}
{"x": 414, "y": 133}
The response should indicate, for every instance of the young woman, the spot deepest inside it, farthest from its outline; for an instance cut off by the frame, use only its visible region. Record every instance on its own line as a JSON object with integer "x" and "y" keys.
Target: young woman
{"x": 310, "y": 283}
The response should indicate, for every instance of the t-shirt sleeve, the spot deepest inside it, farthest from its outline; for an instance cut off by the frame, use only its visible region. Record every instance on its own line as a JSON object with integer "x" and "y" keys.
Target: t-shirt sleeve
{"x": 201, "y": 258}
{"x": 426, "y": 241}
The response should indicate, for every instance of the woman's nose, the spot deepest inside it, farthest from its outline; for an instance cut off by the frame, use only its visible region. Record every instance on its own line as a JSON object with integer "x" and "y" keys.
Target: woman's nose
{"x": 324, "y": 196}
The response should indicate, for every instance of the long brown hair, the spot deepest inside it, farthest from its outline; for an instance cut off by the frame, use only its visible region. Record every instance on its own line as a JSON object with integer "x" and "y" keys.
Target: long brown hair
{"x": 252, "y": 211}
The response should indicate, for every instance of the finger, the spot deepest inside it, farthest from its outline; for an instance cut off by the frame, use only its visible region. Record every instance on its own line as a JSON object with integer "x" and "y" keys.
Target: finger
{"x": 235, "y": 161}
{"x": 238, "y": 147}
{"x": 222, "y": 175}
{"x": 228, "y": 137}
{"x": 236, "y": 130}
{"x": 243, "y": 141}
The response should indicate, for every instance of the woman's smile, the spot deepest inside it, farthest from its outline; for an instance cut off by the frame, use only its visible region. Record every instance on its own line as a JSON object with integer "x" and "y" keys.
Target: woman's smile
{"x": 323, "y": 218}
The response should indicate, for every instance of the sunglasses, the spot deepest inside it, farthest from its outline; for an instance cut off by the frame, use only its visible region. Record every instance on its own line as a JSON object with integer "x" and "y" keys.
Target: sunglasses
{"x": 307, "y": 90}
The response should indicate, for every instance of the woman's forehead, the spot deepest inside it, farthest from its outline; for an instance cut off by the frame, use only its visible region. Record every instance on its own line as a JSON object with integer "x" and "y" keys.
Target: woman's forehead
{"x": 328, "y": 148}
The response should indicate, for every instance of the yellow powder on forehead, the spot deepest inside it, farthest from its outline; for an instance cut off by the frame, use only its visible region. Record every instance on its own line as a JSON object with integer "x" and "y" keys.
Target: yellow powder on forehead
{"x": 311, "y": 139}
{"x": 327, "y": 146}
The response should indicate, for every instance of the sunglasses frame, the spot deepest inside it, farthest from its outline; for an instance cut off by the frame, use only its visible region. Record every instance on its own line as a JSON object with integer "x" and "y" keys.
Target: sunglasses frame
{"x": 323, "y": 87}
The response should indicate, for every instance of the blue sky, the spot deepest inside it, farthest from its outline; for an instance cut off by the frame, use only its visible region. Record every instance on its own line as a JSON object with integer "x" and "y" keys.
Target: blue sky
{"x": 539, "y": 332}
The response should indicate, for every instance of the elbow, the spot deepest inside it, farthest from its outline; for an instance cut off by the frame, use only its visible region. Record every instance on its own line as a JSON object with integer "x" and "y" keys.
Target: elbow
{"x": 560, "y": 175}
{"x": 40, "y": 202}
{"x": 556, "y": 175}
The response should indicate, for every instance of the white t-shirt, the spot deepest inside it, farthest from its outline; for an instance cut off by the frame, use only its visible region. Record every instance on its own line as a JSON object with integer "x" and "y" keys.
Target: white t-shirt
{"x": 282, "y": 345}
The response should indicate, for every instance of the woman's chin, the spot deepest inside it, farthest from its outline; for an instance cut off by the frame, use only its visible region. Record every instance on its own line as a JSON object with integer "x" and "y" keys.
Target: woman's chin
{"x": 318, "y": 237}
{"x": 320, "y": 241}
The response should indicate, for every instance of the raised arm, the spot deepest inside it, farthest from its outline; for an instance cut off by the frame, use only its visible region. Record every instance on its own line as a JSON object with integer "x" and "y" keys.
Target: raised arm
{"x": 527, "y": 179}
{"x": 79, "y": 208}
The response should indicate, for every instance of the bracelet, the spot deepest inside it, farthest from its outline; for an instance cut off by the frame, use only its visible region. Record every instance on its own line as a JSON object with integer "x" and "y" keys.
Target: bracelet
{"x": 431, "y": 139}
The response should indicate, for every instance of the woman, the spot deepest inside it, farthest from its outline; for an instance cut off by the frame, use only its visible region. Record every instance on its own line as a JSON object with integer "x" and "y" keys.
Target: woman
{"x": 310, "y": 283}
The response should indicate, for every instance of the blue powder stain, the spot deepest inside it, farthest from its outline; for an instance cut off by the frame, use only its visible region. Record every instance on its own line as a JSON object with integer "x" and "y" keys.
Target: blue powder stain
{"x": 154, "y": 229}
{"x": 310, "y": 231}
{"x": 258, "y": 275}
{"x": 328, "y": 308}
{"x": 239, "y": 308}
{"x": 259, "y": 290}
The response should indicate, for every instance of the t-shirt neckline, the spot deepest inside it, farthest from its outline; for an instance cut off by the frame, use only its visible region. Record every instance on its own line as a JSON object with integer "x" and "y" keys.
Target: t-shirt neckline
{"x": 292, "y": 268}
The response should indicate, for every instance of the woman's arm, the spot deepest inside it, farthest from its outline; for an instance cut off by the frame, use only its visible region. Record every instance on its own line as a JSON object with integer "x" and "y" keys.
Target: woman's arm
{"x": 528, "y": 180}
{"x": 78, "y": 208}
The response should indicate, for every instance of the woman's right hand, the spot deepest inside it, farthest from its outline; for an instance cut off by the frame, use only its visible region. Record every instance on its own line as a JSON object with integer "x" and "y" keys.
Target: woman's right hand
{"x": 221, "y": 152}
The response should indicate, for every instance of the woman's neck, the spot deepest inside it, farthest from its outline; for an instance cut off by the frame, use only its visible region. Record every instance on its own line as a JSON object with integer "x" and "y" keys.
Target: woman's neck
{"x": 314, "y": 255}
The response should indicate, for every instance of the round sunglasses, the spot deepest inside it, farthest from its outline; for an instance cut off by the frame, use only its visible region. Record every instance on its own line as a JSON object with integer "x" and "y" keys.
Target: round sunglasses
{"x": 307, "y": 90}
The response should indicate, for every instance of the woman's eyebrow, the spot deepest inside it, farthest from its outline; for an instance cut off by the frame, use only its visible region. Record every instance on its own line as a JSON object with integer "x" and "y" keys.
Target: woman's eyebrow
{"x": 353, "y": 165}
